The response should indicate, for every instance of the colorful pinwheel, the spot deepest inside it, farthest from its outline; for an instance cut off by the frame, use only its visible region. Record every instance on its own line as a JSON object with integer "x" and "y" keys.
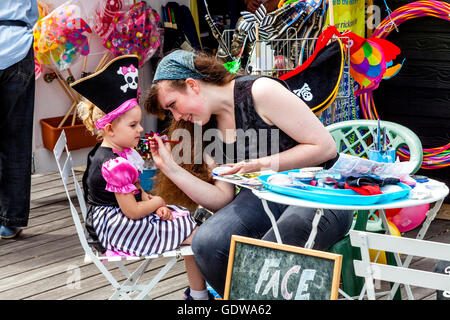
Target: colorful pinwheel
{"x": 370, "y": 61}
{"x": 59, "y": 38}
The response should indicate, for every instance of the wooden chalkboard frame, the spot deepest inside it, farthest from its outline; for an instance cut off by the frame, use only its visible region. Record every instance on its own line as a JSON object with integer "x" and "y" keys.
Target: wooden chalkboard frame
{"x": 337, "y": 258}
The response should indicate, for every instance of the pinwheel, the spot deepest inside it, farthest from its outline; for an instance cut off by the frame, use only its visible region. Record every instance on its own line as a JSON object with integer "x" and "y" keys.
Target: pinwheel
{"x": 259, "y": 22}
{"x": 59, "y": 38}
{"x": 370, "y": 61}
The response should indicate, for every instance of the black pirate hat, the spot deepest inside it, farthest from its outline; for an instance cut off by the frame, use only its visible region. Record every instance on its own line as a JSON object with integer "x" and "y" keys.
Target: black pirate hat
{"x": 316, "y": 81}
{"x": 112, "y": 87}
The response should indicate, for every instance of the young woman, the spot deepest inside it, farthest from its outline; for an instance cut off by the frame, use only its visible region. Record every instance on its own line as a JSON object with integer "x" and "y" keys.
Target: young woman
{"x": 198, "y": 90}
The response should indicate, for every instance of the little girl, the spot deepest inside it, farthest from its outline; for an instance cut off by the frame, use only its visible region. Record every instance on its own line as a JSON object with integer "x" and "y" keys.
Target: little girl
{"x": 122, "y": 217}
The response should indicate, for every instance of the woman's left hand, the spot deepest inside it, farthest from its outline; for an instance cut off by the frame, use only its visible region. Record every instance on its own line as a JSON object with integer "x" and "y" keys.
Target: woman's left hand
{"x": 245, "y": 166}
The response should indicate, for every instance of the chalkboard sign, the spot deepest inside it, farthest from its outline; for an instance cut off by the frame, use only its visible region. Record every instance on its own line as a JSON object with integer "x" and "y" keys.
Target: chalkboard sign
{"x": 263, "y": 270}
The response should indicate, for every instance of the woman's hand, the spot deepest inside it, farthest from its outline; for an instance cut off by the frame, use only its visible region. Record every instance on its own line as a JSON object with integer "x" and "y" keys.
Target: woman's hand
{"x": 245, "y": 166}
{"x": 161, "y": 153}
{"x": 164, "y": 213}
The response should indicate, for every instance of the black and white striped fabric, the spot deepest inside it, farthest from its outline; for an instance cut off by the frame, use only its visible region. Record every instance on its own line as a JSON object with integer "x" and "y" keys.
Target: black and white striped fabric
{"x": 142, "y": 237}
{"x": 264, "y": 21}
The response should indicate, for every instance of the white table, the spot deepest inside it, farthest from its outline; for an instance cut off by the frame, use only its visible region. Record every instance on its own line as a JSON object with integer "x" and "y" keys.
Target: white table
{"x": 437, "y": 196}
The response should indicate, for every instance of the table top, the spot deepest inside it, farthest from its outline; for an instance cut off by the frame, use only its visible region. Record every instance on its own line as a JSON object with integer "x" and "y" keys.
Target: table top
{"x": 439, "y": 192}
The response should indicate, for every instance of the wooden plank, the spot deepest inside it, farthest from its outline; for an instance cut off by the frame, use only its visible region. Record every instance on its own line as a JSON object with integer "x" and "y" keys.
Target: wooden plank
{"x": 46, "y": 269}
{"x": 50, "y": 217}
{"x": 53, "y": 184}
{"x": 96, "y": 287}
{"x": 172, "y": 289}
{"x": 37, "y": 251}
{"x": 56, "y": 286}
{"x": 444, "y": 212}
{"x": 61, "y": 206}
{"x": 42, "y": 178}
{"x": 37, "y": 179}
{"x": 26, "y": 239}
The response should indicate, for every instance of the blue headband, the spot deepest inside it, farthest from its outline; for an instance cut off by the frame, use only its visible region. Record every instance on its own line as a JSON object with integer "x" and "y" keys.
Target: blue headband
{"x": 177, "y": 65}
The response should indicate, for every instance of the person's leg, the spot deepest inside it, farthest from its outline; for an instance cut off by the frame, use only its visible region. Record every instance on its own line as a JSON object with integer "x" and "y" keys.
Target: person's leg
{"x": 17, "y": 87}
{"x": 244, "y": 216}
{"x": 195, "y": 278}
{"x": 295, "y": 226}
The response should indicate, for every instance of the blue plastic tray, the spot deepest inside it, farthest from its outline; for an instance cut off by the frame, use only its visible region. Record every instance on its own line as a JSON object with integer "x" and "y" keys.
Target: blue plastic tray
{"x": 334, "y": 196}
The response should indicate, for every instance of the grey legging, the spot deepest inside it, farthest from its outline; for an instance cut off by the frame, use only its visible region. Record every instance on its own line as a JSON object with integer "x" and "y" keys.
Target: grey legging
{"x": 245, "y": 216}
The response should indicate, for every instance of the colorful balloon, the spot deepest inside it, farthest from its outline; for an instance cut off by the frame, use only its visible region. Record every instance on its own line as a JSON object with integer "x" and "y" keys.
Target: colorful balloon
{"x": 406, "y": 219}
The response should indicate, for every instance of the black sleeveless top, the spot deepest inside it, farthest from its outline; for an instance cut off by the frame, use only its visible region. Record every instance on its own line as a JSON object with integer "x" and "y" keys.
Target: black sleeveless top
{"x": 93, "y": 182}
{"x": 254, "y": 137}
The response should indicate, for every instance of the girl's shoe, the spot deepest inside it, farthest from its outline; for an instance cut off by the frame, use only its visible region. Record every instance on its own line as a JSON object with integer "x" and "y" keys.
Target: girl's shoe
{"x": 9, "y": 232}
{"x": 187, "y": 295}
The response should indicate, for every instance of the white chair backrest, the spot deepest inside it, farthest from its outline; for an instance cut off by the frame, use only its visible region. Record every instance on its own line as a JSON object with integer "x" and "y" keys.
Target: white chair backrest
{"x": 376, "y": 271}
{"x": 66, "y": 170}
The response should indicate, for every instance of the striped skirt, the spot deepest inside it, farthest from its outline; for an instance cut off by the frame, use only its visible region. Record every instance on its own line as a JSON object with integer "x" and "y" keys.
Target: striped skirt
{"x": 142, "y": 237}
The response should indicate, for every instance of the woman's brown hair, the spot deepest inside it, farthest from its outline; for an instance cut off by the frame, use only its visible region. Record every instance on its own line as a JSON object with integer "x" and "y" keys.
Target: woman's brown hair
{"x": 214, "y": 73}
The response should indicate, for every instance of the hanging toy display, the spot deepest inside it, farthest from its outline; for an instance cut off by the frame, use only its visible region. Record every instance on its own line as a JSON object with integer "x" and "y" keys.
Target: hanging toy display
{"x": 59, "y": 37}
{"x": 134, "y": 32}
{"x": 104, "y": 14}
{"x": 103, "y": 17}
{"x": 433, "y": 158}
{"x": 59, "y": 40}
{"x": 44, "y": 9}
{"x": 261, "y": 38}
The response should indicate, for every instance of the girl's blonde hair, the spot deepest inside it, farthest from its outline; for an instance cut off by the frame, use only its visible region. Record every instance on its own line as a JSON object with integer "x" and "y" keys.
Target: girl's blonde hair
{"x": 89, "y": 113}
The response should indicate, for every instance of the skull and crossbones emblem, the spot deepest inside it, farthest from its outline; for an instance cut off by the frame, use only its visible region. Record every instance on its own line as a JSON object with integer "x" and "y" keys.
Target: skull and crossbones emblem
{"x": 130, "y": 75}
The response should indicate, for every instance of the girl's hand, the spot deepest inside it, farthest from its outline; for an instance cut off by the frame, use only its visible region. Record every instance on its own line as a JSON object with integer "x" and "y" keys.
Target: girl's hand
{"x": 161, "y": 153}
{"x": 245, "y": 166}
{"x": 164, "y": 213}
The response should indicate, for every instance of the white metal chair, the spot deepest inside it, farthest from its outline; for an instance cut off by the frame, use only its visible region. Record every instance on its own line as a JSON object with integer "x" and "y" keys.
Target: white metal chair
{"x": 399, "y": 274}
{"x": 128, "y": 289}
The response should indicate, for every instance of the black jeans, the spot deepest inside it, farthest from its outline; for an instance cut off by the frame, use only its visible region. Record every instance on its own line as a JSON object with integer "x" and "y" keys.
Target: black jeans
{"x": 17, "y": 87}
{"x": 245, "y": 216}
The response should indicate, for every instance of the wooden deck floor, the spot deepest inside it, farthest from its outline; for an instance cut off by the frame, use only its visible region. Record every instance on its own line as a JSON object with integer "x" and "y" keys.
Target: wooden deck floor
{"x": 43, "y": 261}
